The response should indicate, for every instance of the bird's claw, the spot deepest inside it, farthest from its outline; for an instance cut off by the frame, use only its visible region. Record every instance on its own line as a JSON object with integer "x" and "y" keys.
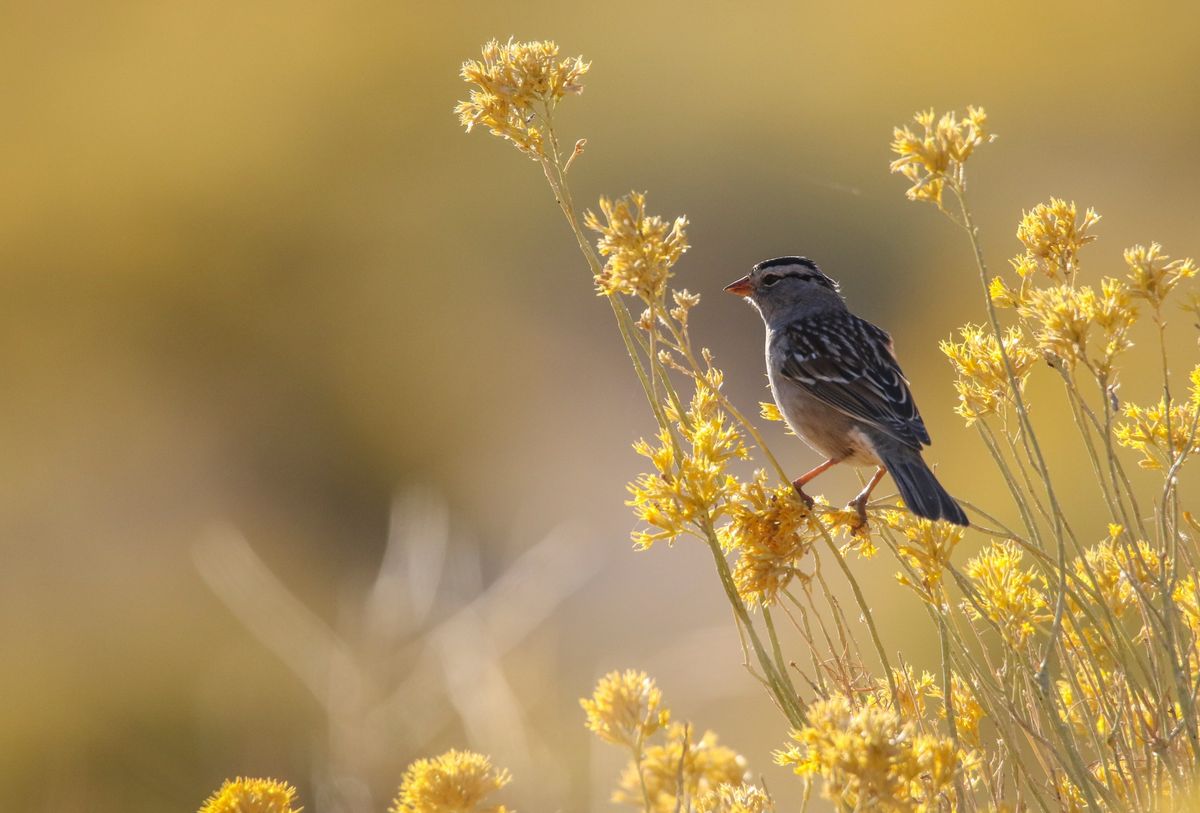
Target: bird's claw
{"x": 807, "y": 500}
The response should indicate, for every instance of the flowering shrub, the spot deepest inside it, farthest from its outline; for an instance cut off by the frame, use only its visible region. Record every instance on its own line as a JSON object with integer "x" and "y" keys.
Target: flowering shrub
{"x": 1069, "y": 666}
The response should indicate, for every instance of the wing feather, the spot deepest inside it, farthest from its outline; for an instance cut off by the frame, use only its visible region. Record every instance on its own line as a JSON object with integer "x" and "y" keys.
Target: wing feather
{"x": 849, "y": 364}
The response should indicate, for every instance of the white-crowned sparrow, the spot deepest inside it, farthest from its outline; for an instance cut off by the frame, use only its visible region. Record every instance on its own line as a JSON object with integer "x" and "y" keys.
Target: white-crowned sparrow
{"x": 836, "y": 380}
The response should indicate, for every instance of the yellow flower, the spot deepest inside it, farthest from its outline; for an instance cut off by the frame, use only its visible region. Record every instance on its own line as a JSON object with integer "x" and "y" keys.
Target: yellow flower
{"x": 911, "y": 690}
{"x": 936, "y": 153}
{"x": 641, "y": 249}
{"x": 1005, "y": 593}
{"x": 1153, "y": 275}
{"x": 703, "y": 767}
{"x": 1065, "y": 314}
{"x": 252, "y": 796}
{"x": 772, "y": 530}
{"x": 1115, "y": 572}
{"x": 1053, "y": 236}
{"x": 735, "y": 799}
{"x": 968, "y": 713}
{"x": 869, "y": 759}
{"x": 982, "y": 382}
{"x": 625, "y": 708}
{"x": 769, "y": 411}
{"x": 1159, "y": 433}
{"x": 690, "y": 487}
{"x": 927, "y": 547}
{"x": 455, "y": 782}
{"x": 515, "y": 84}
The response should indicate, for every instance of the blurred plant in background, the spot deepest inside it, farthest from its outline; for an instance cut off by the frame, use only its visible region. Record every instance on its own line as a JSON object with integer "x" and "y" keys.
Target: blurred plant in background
{"x": 1069, "y": 668}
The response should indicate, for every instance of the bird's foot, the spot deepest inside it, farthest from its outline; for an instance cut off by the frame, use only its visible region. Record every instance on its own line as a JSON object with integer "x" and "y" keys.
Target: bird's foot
{"x": 798, "y": 484}
{"x": 859, "y": 504}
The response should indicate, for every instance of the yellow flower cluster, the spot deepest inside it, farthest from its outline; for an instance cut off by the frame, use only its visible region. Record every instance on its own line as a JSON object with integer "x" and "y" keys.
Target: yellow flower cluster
{"x": 1114, "y": 572}
{"x": 1005, "y": 594}
{"x": 1159, "y": 433}
{"x": 926, "y": 547}
{"x": 515, "y": 85}
{"x": 736, "y": 799}
{"x": 689, "y": 487}
{"x": 1053, "y": 236}
{"x": 935, "y": 154}
{"x": 968, "y": 713}
{"x": 772, "y": 530}
{"x": 982, "y": 382}
{"x": 1153, "y": 274}
{"x": 641, "y": 249}
{"x": 678, "y": 767}
{"x": 252, "y": 796}
{"x": 870, "y": 759}
{"x": 911, "y": 691}
{"x": 455, "y": 782}
{"x": 625, "y": 708}
{"x": 1064, "y": 316}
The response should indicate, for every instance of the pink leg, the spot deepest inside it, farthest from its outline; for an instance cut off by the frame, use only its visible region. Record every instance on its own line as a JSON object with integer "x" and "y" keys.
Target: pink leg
{"x": 803, "y": 479}
{"x": 859, "y": 503}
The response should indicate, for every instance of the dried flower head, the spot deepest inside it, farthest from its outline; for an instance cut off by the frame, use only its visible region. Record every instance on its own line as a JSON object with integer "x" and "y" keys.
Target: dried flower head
{"x": 690, "y": 486}
{"x": 1053, "y": 235}
{"x": 625, "y": 708}
{"x": 736, "y": 799}
{"x": 703, "y": 766}
{"x": 455, "y": 782}
{"x": 1005, "y": 594}
{"x": 772, "y": 530}
{"x": 252, "y": 796}
{"x": 982, "y": 382}
{"x": 926, "y": 547}
{"x": 1153, "y": 274}
{"x": 641, "y": 249}
{"x": 515, "y": 85}
{"x": 869, "y": 759}
{"x": 936, "y": 153}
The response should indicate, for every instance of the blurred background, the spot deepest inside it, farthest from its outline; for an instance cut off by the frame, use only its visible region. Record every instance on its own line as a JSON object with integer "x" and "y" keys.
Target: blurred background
{"x": 314, "y": 433}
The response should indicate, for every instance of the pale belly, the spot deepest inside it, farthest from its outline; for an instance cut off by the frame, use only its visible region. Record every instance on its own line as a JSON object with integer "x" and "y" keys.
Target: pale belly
{"x": 830, "y": 432}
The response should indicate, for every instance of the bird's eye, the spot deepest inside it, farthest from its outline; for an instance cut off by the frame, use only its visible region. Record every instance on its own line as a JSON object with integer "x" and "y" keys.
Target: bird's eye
{"x": 771, "y": 279}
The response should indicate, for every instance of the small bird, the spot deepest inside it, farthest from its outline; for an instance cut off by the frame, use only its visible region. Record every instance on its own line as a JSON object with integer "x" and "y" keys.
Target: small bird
{"x": 836, "y": 380}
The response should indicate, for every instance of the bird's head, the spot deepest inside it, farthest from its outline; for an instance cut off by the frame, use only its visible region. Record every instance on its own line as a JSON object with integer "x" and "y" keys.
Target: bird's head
{"x": 787, "y": 288}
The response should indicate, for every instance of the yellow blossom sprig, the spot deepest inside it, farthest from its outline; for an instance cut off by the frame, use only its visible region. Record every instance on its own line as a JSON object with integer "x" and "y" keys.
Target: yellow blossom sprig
{"x": 968, "y": 712}
{"x": 1064, "y": 316}
{"x": 678, "y": 769}
{"x": 936, "y": 153}
{"x": 868, "y": 758}
{"x": 736, "y": 799}
{"x": 982, "y": 383}
{"x": 641, "y": 249}
{"x": 772, "y": 531}
{"x": 625, "y": 708}
{"x": 455, "y": 782}
{"x": 252, "y": 796}
{"x": 1006, "y": 594}
{"x": 1053, "y": 236}
{"x": 515, "y": 85}
{"x": 1153, "y": 274}
{"x": 690, "y": 488}
{"x": 1160, "y": 433}
{"x": 926, "y": 547}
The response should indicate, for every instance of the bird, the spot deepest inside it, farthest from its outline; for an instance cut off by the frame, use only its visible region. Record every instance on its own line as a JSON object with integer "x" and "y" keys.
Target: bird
{"x": 838, "y": 385}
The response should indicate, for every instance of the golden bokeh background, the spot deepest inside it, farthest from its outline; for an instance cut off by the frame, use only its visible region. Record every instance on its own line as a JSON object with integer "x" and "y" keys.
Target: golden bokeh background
{"x": 267, "y": 307}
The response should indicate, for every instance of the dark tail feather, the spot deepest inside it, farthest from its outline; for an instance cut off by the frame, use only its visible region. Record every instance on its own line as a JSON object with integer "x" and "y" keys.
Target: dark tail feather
{"x": 921, "y": 491}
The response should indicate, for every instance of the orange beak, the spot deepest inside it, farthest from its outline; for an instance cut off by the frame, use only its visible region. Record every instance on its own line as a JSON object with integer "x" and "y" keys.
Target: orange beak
{"x": 740, "y": 288}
